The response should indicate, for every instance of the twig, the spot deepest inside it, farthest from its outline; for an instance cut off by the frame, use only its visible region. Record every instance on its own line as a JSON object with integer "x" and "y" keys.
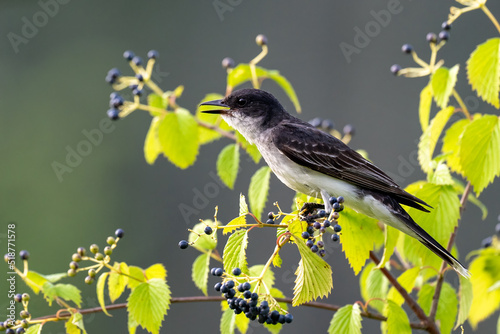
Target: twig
{"x": 440, "y": 280}
{"x": 430, "y": 326}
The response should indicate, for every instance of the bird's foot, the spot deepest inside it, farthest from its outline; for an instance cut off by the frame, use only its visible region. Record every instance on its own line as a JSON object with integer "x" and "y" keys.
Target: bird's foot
{"x": 308, "y": 209}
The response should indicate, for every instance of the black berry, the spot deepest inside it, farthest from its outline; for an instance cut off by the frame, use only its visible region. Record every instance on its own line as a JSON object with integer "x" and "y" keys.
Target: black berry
{"x": 340, "y": 199}
{"x": 119, "y": 233}
{"x": 24, "y": 255}
{"x": 81, "y": 251}
{"x": 288, "y": 318}
{"x": 445, "y": 25}
{"x": 320, "y": 244}
{"x": 335, "y": 237}
{"x": 137, "y": 60}
{"x": 270, "y": 221}
{"x": 444, "y": 35}
{"x": 395, "y": 69}
{"x": 309, "y": 243}
{"x": 208, "y": 230}
{"x": 431, "y": 37}
{"x": 18, "y": 298}
{"x": 321, "y": 252}
{"x": 326, "y": 224}
{"x": 246, "y": 286}
{"x": 314, "y": 249}
{"x": 407, "y": 48}
{"x": 217, "y": 286}
{"x": 128, "y": 55}
{"x": 487, "y": 242}
{"x": 139, "y": 77}
{"x": 321, "y": 213}
{"x": 153, "y": 54}
{"x": 183, "y": 244}
{"x": 349, "y": 129}
{"x": 228, "y": 63}
{"x": 317, "y": 225}
{"x": 218, "y": 272}
{"x": 113, "y": 114}
{"x": 305, "y": 235}
{"x": 261, "y": 40}
{"x": 137, "y": 92}
{"x": 332, "y": 200}
{"x": 337, "y": 228}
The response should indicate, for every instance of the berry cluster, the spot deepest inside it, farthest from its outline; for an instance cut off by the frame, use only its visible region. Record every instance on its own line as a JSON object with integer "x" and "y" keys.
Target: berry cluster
{"x": 118, "y": 106}
{"x": 100, "y": 258}
{"x": 432, "y": 38}
{"x": 328, "y": 126}
{"x": 18, "y": 326}
{"x": 318, "y": 224}
{"x": 241, "y": 300}
{"x": 489, "y": 241}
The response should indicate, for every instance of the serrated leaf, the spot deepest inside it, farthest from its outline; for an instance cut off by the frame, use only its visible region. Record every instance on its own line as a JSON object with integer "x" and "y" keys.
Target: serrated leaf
{"x": 67, "y": 292}
{"x": 359, "y": 235}
{"x": 178, "y": 135}
{"x": 131, "y": 324}
{"x": 35, "y": 281}
{"x": 199, "y": 272}
{"x": 258, "y": 190}
{"x": 407, "y": 280}
{"x": 74, "y": 325}
{"x": 136, "y": 277}
{"x": 480, "y": 151}
{"x": 242, "y": 73}
{"x": 459, "y": 187}
{"x": 397, "y": 319}
{"x": 391, "y": 236}
{"x": 241, "y": 220}
{"x": 430, "y": 136}
{"x": 35, "y": 329}
{"x": 53, "y": 278}
{"x": 440, "y": 222}
{"x": 227, "y": 322}
{"x": 277, "y": 261}
{"x": 156, "y": 271}
{"x": 483, "y": 70}
{"x": 314, "y": 276}
{"x": 206, "y": 135}
{"x": 451, "y": 144}
{"x": 374, "y": 285}
{"x": 101, "y": 283}
{"x": 268, "y": 278}
{"x": 441, "y": 175}
{"x": 152, "y": 145}
{"x": 228, "y": 163}
{"x": 235, "y": 251}
{"x": 443, "y": 81}
{"x": 485, "y": 271}
{"x": 148, "y": 304}
{"x": 447, "y": 305}
{"x": 424, "y": 108}
{"x": 117, "y": 282}
{"x": 243, "y": 205}
{"x": 347, "y": 320}
{"x": 465, "y": 294}
{"x": 205, "y": 241}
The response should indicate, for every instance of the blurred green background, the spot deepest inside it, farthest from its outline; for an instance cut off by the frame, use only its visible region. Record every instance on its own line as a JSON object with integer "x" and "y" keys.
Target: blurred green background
{"x": 53, "y": 90}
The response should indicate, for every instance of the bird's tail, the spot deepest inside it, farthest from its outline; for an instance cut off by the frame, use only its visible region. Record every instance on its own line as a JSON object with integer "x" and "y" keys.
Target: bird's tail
{"x": 436, "y": 248}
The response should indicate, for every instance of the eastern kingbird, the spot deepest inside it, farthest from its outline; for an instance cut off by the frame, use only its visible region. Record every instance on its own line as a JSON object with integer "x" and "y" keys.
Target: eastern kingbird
{"x": 315, "y": 163}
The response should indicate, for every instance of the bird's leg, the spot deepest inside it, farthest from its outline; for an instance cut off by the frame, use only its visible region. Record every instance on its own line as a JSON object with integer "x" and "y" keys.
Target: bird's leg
{"x": 309, "y": 207}
{"x": 326, "y": 200}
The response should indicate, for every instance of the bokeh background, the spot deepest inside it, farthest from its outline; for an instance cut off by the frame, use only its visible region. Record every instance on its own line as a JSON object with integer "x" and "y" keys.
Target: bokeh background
{"x": 53, "y": 90}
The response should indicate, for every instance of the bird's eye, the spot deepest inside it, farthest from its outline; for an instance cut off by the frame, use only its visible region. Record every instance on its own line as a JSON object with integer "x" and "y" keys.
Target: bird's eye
{"x": 241, "y": 102}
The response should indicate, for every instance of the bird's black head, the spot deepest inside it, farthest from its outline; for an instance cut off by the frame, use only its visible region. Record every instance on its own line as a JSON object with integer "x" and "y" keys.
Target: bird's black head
{"x": 249, "y": 106}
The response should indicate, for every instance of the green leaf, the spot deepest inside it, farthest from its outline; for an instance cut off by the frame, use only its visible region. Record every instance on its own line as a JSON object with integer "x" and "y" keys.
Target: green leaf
{"x": 243, "y": 205}
{"x": 359, "y": 235}
{"x": 268, "y": 278}
{"x": 117, "y": 282}
{"x": 314, "y": 276}
{"x": 347, "y": 320}
{"x": 65, "y": 291}
{"x": 430, "y": 136}
{"x": 148, "y": 304}
{"x": 407, "y": 280}
{"x": 205, "y": 241}
{"x": 178, "y": 135}
{"x": 465, "y": 294}
{"x": 35, "y": 329}
{"x": 459, "y": 188}
{"x": 447, "y": 305}
{"x": 441, "y": 175}
{"x": 424, "y": 108}
{"x": 227, "y": 322}
{"x": 136, "y": 277}
{"x": 157, "y": 101}
{"x": 480, "y": 151}
{"x": 483, "y": 70}
{"x": 132, "y": 325}
{"x": 199, "y": 272}
{"x": 241, "y": 322}
{"x": 235, "y": 251}
{"x": 228, "y": 163}
{"x": 374, "y": 285}
{"x": 443, "y": 81}
{"x": 451, "y": 144}
{"x": 35, "y": 281}
{"x": 152, "y": 145}
{"x": 440, "y": 222}
{"x": 251, "y": 149}
{"x": 156, "y": 271}
{"x": 101, "y": 283}
{"x": 258, "y": 190}
{"x": 206, "y": 135}
{"x": 277, "y": 261}
{"x": 391, "y": 236}
{"x": 397, "y": 319}
{"x": 53, "y": 278}
{"x": 485, "y": 271}
{"x": 241, "y": 220}
{"x": 242, "y": 73}
{"x": 74, "y": 325}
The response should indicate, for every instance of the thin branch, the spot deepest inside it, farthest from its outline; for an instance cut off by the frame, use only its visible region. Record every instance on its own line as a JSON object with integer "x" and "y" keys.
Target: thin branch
{"x": 440, "y": 280}
{"x": 64, "y": 315}
{"x": 215, "y": 128}
{"x": 430, "y": 326}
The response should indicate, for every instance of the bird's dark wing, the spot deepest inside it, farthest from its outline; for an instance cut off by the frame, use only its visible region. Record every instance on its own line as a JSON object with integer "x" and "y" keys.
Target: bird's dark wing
{"x": 326, "y": 154}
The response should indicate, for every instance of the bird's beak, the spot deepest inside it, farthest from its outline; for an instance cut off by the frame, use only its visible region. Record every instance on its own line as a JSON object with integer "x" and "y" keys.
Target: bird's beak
{"x": 215, "y": 103}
